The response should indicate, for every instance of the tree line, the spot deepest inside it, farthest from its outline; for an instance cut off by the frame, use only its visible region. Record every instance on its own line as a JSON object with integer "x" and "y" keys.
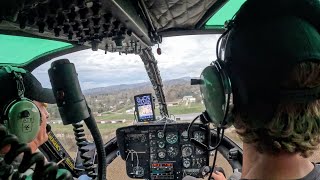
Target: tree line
{"x": 122, "y": 100}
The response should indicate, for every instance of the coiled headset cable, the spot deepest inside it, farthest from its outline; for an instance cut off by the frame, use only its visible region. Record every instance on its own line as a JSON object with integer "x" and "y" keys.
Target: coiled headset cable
{"x": 81, "y": 143}
{"x": 42, "y": 171}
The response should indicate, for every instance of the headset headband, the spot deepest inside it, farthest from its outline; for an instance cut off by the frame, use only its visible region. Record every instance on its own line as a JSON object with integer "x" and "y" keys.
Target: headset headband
{"x": 302, "y": 95}
{"x": 16, "y": 72}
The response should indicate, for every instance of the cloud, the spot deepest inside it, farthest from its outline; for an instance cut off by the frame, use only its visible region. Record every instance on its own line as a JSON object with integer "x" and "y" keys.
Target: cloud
{"x": 181, "y": 56}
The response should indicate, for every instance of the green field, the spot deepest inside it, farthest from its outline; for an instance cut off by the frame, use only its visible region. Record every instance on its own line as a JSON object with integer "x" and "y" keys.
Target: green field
{"x": 193, "y": 108}
{"x": 175, "y": 110}
{"x": 115, "y": 116}
{"x": 66, "y": 136}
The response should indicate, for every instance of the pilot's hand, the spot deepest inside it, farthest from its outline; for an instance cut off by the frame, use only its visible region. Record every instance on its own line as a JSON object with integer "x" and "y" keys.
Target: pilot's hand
{"x": 42, "y": 136}
{"x": 218, "y": 176}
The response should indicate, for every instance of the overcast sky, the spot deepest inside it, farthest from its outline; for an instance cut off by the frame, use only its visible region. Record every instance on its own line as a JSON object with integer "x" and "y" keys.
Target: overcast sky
{"x": 181, "y": 56}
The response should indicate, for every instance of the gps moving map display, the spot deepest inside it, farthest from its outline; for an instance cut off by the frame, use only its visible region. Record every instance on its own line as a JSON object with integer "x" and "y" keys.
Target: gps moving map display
{"x": 144, "y": 107}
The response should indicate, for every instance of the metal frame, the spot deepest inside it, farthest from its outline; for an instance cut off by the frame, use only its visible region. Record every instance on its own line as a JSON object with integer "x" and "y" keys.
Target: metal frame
{"x": 127, "y": 13}
{"x": 152, "y": 69}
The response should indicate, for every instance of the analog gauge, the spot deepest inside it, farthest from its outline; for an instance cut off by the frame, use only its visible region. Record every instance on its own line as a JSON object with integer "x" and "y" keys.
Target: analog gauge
{"x": 199, "y": 136}
{"x": 160, "y": 134}
{"x": 186, "y": 162}
{"x": 138, "y": 171}
{"x": 172, "y": 151}
{"x": 161, "y": 144}
{"x": 184, "y": 135}
{"x": 162, "y": 154}
{"x": 171, "y": 138}
{"x": 186, "y": 151}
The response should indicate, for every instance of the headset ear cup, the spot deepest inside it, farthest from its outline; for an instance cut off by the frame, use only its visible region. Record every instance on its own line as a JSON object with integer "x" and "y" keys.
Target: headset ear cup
{"x": 23, "y": 119}
{"x": 212, "y": 93}
{"x": 216, "y": 91}
{"x": 228, "y": 92}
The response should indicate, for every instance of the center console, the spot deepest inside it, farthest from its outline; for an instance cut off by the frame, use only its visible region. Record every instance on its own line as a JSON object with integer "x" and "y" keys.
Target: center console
{"x": 158, "y": 151}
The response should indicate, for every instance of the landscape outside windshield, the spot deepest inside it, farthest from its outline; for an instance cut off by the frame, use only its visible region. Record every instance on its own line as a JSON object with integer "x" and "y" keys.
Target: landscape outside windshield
{"x": 110, "y": 82}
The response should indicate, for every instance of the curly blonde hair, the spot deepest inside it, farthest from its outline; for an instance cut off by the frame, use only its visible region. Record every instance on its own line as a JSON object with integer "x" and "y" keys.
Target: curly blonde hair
{"x": 295, "y": 127}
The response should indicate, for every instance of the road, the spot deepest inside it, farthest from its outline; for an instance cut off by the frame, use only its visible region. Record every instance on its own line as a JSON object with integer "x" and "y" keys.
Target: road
{"x": 180, "y": 117}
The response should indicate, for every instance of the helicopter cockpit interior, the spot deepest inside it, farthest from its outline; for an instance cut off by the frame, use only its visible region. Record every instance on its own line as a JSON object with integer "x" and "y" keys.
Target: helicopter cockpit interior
{"x": 33, "y": 32}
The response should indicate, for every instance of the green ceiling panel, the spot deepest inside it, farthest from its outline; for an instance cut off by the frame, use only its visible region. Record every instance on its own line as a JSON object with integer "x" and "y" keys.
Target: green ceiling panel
{"x": 21, "y": 50}
{"x": 224, "y": 14}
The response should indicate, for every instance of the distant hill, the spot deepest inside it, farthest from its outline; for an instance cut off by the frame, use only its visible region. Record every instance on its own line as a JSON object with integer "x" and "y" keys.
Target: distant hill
{"x": 111, "y": 89}
{"x": 119, "y": 98}
{"x": 122, "y": 87}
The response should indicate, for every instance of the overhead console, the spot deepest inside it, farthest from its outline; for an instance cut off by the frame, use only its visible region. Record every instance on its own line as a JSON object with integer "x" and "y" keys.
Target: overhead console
{"x": 159, "y": 151}
{"x": 102, "y": 24}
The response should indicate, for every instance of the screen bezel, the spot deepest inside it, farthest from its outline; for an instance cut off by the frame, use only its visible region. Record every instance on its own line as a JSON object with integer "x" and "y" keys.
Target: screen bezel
{"x": 152, "y": 107}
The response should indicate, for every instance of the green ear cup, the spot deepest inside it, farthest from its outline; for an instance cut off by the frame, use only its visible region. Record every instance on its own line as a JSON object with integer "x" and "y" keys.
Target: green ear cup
{"x": 213, "y": 94}
{"x": 23, "y": 120}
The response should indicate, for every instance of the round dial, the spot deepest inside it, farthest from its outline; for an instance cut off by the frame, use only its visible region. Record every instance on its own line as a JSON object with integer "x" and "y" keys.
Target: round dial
{"x": 172, "y": 138}
{"x": 138, "y": 171}
{"x": 184, "y": 135}
{"x": 172, "y": 151}
{"x": 162, "y": 154}
{"x": 199, "y": 136}
{"x": 186, "y": 151}
{"x": 186, "y": 162}
{"x": 161, "y": 144}
{"x": 160, "y": 134}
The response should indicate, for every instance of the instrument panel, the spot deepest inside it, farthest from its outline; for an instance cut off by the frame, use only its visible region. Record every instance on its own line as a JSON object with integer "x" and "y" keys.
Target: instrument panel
{"x": 158, "y": 151}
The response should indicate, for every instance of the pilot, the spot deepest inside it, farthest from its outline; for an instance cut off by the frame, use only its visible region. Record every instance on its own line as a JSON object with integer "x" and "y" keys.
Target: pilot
{"x": 272, "y": 57}
{"x": 34, "y": 91}
{"x": 40, "y": 96}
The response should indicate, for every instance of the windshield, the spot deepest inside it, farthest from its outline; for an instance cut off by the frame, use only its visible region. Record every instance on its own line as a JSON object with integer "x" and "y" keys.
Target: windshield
{"x": 20, "y": 50}
{"x": 224, "y": 14}
{"x": 110, "y": 81}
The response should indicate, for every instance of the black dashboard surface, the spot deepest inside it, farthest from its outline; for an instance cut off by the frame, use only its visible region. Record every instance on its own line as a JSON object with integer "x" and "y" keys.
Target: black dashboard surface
{"x": 158, "y": 151}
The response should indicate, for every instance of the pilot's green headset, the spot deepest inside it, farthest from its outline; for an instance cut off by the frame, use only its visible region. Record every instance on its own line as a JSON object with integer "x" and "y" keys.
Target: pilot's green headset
{"x": 20, "y": 116}
{"x": 215, "y": 86}
{"x": 215, "y": 83}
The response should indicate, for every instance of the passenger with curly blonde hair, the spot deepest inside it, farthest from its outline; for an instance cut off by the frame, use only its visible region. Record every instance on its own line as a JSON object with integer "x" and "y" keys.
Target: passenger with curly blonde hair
{"x": 271, "y": 54}
{"x": 290, "y": 136}
{"x": 273, "y": 58}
